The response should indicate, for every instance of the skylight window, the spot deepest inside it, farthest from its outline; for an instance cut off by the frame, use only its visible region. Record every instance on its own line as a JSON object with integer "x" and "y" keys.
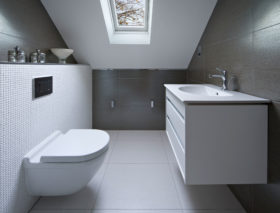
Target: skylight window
{"x": 128, "y": 21}
{"x": 130, "y": 14}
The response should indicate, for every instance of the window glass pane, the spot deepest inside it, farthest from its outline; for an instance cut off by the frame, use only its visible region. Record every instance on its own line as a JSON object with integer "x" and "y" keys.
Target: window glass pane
{"x": 130, "y": 12}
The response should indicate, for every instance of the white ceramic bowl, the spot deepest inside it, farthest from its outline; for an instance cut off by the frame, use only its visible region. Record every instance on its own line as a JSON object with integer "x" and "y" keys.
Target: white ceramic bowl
{"x": 62, "y": 54}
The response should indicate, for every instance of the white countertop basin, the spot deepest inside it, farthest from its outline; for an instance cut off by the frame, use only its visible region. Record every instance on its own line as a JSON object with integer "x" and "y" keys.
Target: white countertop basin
{"x": 203, "y": 90}
{"x": 62, "y": 53}
{"x": 207, "y": 93}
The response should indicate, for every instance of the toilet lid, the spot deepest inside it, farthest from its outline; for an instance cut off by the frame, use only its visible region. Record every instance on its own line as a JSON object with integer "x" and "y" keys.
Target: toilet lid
{"x": 75, "y": 146}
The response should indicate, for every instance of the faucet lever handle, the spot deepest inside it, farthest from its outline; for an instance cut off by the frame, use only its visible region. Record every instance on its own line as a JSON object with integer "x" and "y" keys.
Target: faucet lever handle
{"x": 221, "y": 70}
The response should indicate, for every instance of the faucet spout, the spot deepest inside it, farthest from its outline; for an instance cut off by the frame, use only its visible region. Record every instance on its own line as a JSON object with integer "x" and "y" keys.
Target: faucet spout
{"x": 222, "y": 76}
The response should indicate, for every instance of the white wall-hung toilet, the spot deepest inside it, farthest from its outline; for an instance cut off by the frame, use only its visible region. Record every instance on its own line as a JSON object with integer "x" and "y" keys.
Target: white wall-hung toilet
{"x": 63, "y": 164}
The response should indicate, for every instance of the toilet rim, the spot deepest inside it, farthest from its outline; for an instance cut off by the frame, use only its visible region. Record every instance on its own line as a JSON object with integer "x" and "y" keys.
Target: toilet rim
{"x": 77, "y": 145}
{"x": 60, "y": 165}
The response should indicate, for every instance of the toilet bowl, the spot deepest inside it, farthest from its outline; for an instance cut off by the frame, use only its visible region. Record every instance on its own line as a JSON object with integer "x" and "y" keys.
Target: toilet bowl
{"x": 63, "y": 164}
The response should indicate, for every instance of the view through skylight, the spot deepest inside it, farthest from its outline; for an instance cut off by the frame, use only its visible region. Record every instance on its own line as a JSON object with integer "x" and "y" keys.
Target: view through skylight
{"x": 130, "y": 12}
{"x": 129, "y": 15}
{"x": 128, "y": 21}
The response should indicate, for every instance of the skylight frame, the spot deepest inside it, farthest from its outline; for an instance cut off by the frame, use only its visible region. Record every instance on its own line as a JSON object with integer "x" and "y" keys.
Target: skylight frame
{"x": 118, "y": 28}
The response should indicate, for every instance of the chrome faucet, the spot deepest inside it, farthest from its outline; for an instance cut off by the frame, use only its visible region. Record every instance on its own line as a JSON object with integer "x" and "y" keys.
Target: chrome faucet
{"x": 223, "y": 76}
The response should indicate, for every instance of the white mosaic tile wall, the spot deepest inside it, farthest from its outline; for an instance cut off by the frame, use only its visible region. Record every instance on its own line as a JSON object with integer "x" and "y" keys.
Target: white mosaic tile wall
{"x": 26, "y": 121}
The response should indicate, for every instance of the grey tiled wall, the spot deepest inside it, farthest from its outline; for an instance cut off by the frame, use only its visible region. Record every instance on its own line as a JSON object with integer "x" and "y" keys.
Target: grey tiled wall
{"x": 132, "y": 91}
{"x": 26, "y": 23}
{"x": 242, "y": 37}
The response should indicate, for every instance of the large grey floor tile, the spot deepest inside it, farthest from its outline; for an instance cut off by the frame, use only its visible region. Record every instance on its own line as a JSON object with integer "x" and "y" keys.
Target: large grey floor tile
{"x": 113, "y": 140}
{"x": 83, "y": 200}
{"x": 138, "y": 179}
{"x": 137, "y": 186}
{"x": 108, "y": 153}
{"x": 200, "y": 197}
{"x": 60, "y": 211}
{"x": 126, "y": 151}
{"x": 168, "y": 149}
{"x": 214, "y": 211}
{"x": 139, "y": 211}
{"x": 113, "y": 134}
{"x": 139, "y": 135}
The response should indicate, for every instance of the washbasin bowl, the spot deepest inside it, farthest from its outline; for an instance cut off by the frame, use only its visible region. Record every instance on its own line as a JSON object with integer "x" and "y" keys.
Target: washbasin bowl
{"x": 203, "y": 90}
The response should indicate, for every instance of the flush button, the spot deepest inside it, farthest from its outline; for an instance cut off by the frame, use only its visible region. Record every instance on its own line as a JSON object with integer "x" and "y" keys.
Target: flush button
{"x": 43, "y": 86}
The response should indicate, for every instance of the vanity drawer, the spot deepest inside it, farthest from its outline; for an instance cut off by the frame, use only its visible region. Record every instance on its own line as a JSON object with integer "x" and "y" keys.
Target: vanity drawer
{"x": 177, "y": 122}
{"x": 180, "y": 106}
{"x": 176, "y": 146}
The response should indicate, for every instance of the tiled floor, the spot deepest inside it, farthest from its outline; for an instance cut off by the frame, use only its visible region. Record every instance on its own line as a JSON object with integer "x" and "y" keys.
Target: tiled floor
{"x": 140, "y": 176}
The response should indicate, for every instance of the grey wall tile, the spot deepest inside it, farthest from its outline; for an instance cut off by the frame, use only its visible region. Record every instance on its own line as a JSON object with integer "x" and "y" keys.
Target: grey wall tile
{"x": 266, "y": 62}
{"x": 127, "y": 73}
{"x": 229, "y": 20}
{"x": 106, "y": 118}
{"x": 142, "y": 117}
{"x": 196, "y": 67}
{"x": 235, "y": 57}
{"x": 266, "y": 46}
{"x": 267, "y": 83}
{"x": 169, "y": 75}
{"x": 265, "y": 13}
{"x": 133, "y": 91}
{"x": 104, "y": 74}
{"x": 104, "y": 91}
{"x": 27, "y": 24}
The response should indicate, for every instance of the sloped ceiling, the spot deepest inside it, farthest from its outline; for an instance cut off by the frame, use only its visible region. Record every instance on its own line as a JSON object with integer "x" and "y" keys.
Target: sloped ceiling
{"x": 177, "y": 26}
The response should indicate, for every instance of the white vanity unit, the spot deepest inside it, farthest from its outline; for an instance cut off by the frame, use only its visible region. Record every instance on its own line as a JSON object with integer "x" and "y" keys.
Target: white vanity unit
{"x": 218, "y": 137}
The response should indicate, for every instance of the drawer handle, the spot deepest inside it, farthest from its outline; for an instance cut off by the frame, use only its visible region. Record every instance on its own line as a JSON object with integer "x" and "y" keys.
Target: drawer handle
{"x": 175, "y": 132}
{"x": 172, "y": 105}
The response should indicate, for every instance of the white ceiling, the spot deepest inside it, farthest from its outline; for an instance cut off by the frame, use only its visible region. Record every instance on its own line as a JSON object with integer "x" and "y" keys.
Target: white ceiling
{"x": 177, "y": 26}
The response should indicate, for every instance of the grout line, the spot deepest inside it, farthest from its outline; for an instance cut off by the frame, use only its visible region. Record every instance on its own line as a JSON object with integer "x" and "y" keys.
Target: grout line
{"x": 178, "y": 210}
{"x": 37, "y": 201}
{"x": 99, "y": 186}
{"x": 144, "y": 210}
{"x": 113, "y": 146}
{"x": 264, "y": 28}
{"x": 144, "y": 163}
{"x": 239, "y": 36}
{"x": 164, "y": 146}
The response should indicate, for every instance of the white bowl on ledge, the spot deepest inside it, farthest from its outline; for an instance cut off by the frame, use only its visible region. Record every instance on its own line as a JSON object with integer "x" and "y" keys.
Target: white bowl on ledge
{"x": 62, "y": 54}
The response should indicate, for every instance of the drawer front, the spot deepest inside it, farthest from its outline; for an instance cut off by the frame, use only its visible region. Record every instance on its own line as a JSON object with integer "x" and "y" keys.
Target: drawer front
{"x": 177, "y": 148}
{"x": 177, "y": 122}
{"x": 180, "y": 106}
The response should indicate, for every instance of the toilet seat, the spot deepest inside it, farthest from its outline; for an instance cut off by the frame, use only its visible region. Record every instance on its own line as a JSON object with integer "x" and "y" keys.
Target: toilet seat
{"x": 75, "y": 146}
{"x": 63, "y": 164}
